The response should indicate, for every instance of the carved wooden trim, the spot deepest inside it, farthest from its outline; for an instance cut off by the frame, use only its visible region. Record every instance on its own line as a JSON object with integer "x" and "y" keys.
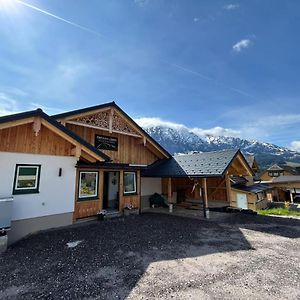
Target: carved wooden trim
{"x": 107, "y": 120}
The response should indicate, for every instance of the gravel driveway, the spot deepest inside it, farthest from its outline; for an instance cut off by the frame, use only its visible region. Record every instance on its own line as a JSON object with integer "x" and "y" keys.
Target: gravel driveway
{"x": 158, "y": 256}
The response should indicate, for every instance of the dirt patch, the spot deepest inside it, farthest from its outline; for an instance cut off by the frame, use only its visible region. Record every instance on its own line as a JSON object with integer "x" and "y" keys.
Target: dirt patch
{"x": 157, "y": 256}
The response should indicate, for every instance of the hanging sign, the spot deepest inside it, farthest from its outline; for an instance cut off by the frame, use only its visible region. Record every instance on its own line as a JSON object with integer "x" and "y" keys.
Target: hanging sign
{"x": 103, "y": 142}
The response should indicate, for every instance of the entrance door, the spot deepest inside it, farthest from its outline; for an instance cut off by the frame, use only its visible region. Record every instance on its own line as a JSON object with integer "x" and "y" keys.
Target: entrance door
{"x": 241, "y": 200}
{"x": 111, "y": 190}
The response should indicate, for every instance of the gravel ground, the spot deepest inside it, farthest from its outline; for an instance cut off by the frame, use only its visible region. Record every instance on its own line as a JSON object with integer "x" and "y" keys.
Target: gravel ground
{"x": 156, "y": 256}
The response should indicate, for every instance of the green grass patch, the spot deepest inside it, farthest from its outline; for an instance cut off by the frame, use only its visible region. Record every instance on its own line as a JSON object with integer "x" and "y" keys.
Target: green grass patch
{"x": 278, "y": 212}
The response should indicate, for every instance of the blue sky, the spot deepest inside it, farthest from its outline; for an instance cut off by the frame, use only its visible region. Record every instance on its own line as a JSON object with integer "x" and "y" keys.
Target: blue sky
{"x": 229, "y": 67}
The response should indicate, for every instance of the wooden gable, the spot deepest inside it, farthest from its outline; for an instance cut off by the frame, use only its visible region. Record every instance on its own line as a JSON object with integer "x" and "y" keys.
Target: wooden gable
{"x": 37, "y": 136}
{"x": 134, "y": 145}
{"x": 239, "y": 167}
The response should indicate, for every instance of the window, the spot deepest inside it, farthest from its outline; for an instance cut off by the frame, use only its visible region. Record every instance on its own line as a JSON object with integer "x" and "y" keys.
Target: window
{"x": 129, "y": 182}
{"x": 88, "y": 185}
{"x": 27, "y": 179}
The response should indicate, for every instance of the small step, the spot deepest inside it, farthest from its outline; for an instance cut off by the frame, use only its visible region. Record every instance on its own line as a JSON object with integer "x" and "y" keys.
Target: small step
{"x": 113, "y": 214}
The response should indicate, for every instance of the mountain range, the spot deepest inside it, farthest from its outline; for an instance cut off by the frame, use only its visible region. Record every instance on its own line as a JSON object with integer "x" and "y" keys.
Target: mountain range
{"x": 184, "y": 140}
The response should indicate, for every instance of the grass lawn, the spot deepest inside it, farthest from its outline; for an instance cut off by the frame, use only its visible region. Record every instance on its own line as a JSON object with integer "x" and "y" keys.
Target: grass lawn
{"x": 278, "y": 212}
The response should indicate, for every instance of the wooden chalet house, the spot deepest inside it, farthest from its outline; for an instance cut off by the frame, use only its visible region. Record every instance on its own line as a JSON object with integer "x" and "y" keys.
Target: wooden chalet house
{"x": 116, "y": 182}
{"x": 72, "y": 165}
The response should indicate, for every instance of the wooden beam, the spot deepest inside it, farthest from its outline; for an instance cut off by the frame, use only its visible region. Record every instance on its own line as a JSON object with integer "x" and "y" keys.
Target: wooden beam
{"x": 37, "y": 124}
{"x": 249, "y": 170}
{"x": 76, "y": 151}
{"x": 111, "y": 115}
{"x": 85, "y": 114}
{"x": 16, "y": 123}
{"x": 204, "y": 185}
{"x": 228, "y": 187}
{"x": 100, "y": 188}
{"x": 169, "y": 189}
{"x": 291, "y": 197}
{"x": 216, "y": 188}
{"x": 104, "y": 129}
{"x": 121, "y": 193}
{"x": 70, "y": 139}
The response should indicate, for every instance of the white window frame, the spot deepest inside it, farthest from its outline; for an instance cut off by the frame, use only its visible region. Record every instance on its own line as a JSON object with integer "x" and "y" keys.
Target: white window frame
{"x": 80, "y": 197}
{"x": 134, "y": 183}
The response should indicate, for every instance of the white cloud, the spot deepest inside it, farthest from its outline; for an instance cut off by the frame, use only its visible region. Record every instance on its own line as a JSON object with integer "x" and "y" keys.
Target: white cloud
{"x": 151, "y": 122}
{"x": 196, "y": 20}
{"x": 231, "y": 6}
{"x": 242, "y": 44}
{"x": 216, "y": 131}
{"x": 295, "y": 145}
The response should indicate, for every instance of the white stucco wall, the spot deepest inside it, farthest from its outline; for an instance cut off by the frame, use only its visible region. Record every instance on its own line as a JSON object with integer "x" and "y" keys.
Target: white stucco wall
{"x": 150, "y": 186}
{"x": 56, "y": 194}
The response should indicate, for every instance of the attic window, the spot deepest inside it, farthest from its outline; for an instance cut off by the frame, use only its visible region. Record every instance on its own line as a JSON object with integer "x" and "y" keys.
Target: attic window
{"x": 27, "y": 179}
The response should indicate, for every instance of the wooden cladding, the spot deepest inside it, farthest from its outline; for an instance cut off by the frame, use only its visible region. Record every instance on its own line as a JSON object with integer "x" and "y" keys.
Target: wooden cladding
{"x": 25, "y": 140}
{"x": 130, "y": 149}
{"x": 90, "y": 208}
{"x": 216, "y": 188}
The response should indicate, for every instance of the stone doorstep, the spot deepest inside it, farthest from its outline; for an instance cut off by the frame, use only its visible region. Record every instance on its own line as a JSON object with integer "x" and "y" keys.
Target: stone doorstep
{"x": 3, "y": 243}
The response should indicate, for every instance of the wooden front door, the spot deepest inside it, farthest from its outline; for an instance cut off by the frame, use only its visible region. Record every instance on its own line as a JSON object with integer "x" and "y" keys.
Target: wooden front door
{"x": 88, "y": 195}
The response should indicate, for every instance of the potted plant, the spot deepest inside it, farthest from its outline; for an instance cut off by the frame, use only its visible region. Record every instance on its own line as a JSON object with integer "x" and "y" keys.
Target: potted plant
{"x": 129, "y": 209}
{"x": 101, "y": 214}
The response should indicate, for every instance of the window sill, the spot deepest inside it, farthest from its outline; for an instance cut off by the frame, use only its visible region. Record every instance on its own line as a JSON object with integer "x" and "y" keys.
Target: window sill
{"x": 19, "y": 192}
{"x": 130, "y": 194}
{"x": 88, "y": 199}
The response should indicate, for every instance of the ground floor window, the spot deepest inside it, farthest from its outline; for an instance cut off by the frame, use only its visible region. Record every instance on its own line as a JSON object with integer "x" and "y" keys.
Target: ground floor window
{"x": 129, "y": 182}
{"x": 27, "y": 179}
{"x": 88, "y": 185}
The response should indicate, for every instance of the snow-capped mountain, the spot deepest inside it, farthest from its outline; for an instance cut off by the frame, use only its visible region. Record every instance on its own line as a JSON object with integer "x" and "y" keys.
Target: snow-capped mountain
{"x": 183, "y": 140}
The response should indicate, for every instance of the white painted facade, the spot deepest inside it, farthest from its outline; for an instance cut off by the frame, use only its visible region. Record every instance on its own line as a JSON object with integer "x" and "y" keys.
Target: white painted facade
{"x": 56, "y": 194}
{"x": 149, "y": 186}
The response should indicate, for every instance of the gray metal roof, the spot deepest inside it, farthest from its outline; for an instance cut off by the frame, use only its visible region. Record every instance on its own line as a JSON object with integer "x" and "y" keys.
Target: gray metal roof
{"x": 289, "y": 178}
{"x": 206, "y": 164}
{"x": 275, "y": 167}
{"x": 255, "y": 188}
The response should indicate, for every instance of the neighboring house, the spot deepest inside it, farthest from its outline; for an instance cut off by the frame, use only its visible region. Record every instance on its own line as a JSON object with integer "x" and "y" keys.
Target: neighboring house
{"x": 254, "y": 197}
{"x": 287, "y": 188}
{"x": 275, "y": 171}
{"x": 70, "y": 166}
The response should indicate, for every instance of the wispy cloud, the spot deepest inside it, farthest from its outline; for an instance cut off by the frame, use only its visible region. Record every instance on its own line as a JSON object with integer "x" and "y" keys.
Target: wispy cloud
{"x": 141, "y": 3}
{"x": 60, "y": 18}
{"x": 232, "y": 6}
{"x": 196, "y": 19}
{"x": 8, "y": 105}
{"x": 242, "y": 44}
{"x": 203, "y": 76}
{"x": 46, "y": 109}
